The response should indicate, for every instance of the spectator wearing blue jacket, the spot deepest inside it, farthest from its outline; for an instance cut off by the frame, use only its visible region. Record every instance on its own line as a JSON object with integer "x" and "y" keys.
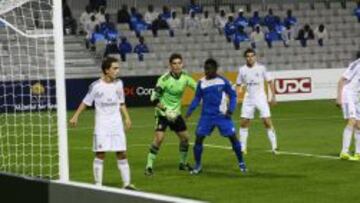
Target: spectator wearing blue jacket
{"x": 230, "y": 28}
{"x": 124, "y": 48}
{"x": 255, "y": 19}
{"x": 194, "y": 7}
{"x": 166, "y": 14}
{"x": 357, "y": 11}
{"x": 240, "y": 36}
{"x": 97, "y": 35}
{"x": 109, "y": 29}
{"x": 241, "y": 20}
{"x": 140, "y": 25}
{"x": 270, "y": 19}
{"x": 290, "y": 19}
{"x": 272, "y": 36}
{"x": 141, "y": 48}
{"x": 134, "y": 16}
{"x": 212, "y": 91}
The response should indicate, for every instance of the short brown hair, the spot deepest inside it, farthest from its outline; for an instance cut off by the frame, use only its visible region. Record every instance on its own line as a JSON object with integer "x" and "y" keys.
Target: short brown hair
{"x": 249, "y": 50}
{"x": 175, "y": 56}
{"x": 106, "y": 63}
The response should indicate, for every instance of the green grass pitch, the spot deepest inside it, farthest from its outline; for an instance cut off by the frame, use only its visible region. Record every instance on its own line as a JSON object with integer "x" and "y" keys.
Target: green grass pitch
{"x": 307, "y": 127}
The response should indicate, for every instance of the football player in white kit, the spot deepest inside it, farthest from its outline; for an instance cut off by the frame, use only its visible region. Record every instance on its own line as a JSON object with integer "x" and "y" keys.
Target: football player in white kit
{"x": 348, "y": 99}
{"x": 108, "y": 95}
{"x": 251, "y": 78}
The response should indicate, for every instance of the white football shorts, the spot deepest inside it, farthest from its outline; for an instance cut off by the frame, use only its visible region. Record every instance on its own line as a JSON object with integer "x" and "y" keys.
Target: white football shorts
{"x": 351, "y": 106}
{"x": 249, "y": 106}
{"x": 109, "y": 142}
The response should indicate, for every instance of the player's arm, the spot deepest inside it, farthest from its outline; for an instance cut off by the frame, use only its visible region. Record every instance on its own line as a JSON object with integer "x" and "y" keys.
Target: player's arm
{"x": 271, "y": 84}
{"x": 125, "y": 113}
{"x": 74, "y": 119}
{"x": 232, "y": 98}
{"x": 340, "y": 88}
{"x": 191, "y": 83}
{"x": 157, "y": 94}
{"x": 195, "y": 102}
{"x": 240, "y": 87}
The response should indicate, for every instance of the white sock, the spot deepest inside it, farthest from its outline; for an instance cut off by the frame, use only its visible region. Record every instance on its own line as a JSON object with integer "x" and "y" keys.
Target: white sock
{"x": 124, "y": 169}
{"x": 346, "y": 139}
{"x": 272, "y": 138}
{"x": 98, "y": 171}
{"x": 243, "y": 133}
{"x": 357, "y": 141}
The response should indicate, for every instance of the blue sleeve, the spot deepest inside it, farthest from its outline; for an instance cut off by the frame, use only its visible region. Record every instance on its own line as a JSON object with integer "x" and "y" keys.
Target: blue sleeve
{"x": 195, "y": 102}
{"x": 232, "y": 96}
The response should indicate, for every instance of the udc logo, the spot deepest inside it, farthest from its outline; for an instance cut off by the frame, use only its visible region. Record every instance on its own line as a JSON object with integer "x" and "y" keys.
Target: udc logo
{"x": 38, "y": 94}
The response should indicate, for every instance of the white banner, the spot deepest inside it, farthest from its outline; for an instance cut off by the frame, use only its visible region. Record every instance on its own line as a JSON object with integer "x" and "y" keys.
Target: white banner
{"x": 306, "y": 84}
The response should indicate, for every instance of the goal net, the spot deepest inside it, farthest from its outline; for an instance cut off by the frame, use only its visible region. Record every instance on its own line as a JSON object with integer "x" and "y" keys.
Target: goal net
{"x": 29, "y": 135}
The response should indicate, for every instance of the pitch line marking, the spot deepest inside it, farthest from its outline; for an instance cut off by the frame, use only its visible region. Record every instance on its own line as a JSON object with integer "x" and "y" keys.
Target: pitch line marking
{"x": 230, "y": 148}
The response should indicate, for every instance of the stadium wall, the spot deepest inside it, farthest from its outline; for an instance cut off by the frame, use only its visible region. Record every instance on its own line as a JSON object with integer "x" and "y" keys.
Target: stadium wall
{"x": 290, "y": 86}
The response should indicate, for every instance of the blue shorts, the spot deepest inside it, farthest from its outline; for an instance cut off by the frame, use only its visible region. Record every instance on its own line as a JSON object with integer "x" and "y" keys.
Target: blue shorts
{"x": 207, "y": 124}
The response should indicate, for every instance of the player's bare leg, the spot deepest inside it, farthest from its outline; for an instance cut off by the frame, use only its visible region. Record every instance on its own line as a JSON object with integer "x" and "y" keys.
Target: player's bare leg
{"x": 124, "y": 169}
{"x": 271, "y": 134}
{"x": 98, "y": 166}
{"x": 183, "y": 150}
{"x": 244, "y": 133}
{"x": 154, "y": 149}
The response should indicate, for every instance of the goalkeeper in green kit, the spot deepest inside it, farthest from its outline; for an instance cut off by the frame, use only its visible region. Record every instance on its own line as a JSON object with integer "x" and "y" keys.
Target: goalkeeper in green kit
{"x": 166, "y": 97}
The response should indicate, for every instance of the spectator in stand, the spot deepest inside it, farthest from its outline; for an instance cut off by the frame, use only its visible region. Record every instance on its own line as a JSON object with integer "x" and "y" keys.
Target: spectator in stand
{"x": 255, "y": 20}
{"x": 124, "y": 48}
{"x": 270, "y": 19}
{"x": 206, "y": 23}
{"x": 70, "y": 25}
{"x": 288, "y": 35}
{"x": 123, "y": 15}
{"x": 241, "y": 20}
{"x": 134, "y": 17}
{"x": 240, "y": 36}
{"x": 256, "y": 36}
{"x": 357, "y": 11}
{"x": 321, "y": 34}
{"x": 220, "y": 21}
{"x": 272, "y": 36}
{"x": 96, "y": 4}
{"x": 174, "y": 24}
{"x": 194, "y": 7}
{"x": 89, "y": 29}
{"x": 141, "y": 48}
{"x": 166, "y": 14}
{"x": 140, "y": 25}
{"x": 150, "y": 15}
{"x": 109, "y": 29}
{"x": 191, "y": 24}
{"x": 100, "y": 15}
{"x": 290, "y": 19}
{"x": 84, "y": 18}
{"x": 96, "y": 36}
{"x": 111, "y": 48}
{"x": 230, "y": 28}
{"x": 306, "y": 33}
{"x": 159, "y": 24}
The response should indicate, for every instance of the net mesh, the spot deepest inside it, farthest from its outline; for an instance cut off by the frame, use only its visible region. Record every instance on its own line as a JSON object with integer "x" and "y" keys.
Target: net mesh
{"x": 28, "y": 129}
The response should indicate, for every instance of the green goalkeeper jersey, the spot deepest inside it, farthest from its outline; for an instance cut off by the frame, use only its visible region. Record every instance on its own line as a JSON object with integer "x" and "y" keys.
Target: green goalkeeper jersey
{"x": 169, "y": 91}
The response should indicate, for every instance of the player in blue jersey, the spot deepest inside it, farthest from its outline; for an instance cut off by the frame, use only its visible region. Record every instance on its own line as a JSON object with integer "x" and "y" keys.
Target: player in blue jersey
{"x": 214, "y": 91}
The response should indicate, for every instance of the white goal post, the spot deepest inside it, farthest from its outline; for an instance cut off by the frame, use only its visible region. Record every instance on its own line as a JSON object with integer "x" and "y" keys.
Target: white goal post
{"x": 33, "y": 130}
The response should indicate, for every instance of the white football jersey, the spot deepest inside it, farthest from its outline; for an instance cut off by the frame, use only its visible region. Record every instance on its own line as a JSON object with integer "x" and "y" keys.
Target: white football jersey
{"x": 107, "y": 98}
{"x": 352, "y": 75}
{"x": 253, "y": 78}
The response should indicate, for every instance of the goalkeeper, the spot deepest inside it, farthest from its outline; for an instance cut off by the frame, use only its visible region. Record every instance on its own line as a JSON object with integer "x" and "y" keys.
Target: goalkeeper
{"x": 213, "y": 91}
{"x": 167, "y": 100}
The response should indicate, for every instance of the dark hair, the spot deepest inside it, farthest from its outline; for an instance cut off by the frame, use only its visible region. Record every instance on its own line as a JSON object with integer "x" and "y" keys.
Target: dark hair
{"x": 358, "y": 55}
{"x": 249, "y": 50}
{"x": 211, "y": 64}
{"x": 106, "y": 63}
{"x": 175, "y": 56}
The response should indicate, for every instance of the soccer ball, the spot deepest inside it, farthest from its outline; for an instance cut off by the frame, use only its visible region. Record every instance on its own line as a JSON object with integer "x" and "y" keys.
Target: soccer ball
{"x": 171, "y": 115}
